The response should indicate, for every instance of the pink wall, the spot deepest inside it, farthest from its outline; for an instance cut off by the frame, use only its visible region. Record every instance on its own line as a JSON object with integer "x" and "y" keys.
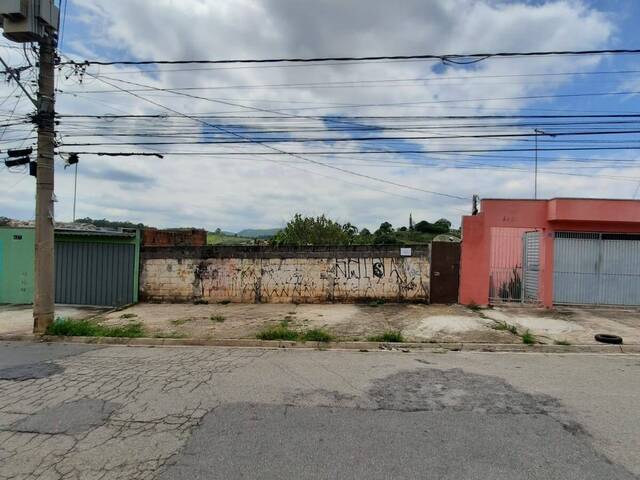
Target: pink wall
{"x": 546, "y": 216}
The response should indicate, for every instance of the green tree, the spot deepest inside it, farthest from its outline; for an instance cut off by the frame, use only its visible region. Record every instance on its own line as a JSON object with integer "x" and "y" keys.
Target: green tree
{"x": 314, "y": 231}
{"x": 385, "y": 227}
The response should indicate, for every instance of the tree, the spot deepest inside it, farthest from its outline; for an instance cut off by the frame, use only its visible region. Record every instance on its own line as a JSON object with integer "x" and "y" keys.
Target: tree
{"x": 444, "y": 224}
{"x": 441, "y": 226}
{"x": 314, "y": 231}
{"x": 365, "y": 232}
{"x": 385, "y": 227}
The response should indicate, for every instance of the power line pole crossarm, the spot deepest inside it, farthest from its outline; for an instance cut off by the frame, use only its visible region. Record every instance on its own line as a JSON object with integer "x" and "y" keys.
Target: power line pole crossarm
{"x": 44, "y": 307}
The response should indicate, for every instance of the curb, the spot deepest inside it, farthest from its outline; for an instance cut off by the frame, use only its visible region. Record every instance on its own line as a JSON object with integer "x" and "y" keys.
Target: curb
{"x": 360, "y": 346}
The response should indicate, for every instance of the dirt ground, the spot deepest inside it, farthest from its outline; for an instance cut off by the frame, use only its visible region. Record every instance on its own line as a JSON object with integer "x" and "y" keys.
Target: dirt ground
{"x": 417, "y": 322}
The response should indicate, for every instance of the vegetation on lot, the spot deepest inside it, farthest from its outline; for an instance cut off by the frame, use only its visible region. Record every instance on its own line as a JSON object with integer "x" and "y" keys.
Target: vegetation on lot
{"x": 316, "y": 335}
{"x": 217, "y": 318}
{"x": 283, "y": 332}
{"x": 278, "y": 332}
{"x": 390, "y": 336}
{"x": 562, "y": 342}
{"x": 504, "y": 326}
{"x": 528, "y": 338}
{"x": 85, "y": 328}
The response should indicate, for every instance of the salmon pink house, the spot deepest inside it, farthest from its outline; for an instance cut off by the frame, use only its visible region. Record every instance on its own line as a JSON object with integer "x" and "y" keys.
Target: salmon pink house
{"x": 551, "y": 252}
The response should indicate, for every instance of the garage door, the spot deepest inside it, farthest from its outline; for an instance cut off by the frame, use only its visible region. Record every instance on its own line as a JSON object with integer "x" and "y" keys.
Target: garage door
{"x": 93, "y": 273}
{"x": 596, "y": 269}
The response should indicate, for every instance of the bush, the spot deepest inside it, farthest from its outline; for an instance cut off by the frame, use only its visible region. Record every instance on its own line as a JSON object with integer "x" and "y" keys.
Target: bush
{"x": 389, "y": 336}
{"x": 85, "y": 328}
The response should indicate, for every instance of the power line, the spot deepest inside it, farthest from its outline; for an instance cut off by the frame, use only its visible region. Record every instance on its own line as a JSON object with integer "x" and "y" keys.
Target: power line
{"x": 282, "y": 152}
{"x": 451, "y": 58}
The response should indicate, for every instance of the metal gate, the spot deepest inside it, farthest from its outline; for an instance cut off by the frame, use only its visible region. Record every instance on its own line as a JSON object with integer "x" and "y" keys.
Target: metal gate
{"x": 445, "y": 272}
{"x": 596, "y": 269}
{"x": 94, "y": 273}
{"x": 530, "y": 266}
{"x": 505, "y": 264}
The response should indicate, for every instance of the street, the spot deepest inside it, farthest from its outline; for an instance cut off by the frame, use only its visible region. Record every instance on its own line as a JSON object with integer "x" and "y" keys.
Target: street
{"x": 90, "y": 412}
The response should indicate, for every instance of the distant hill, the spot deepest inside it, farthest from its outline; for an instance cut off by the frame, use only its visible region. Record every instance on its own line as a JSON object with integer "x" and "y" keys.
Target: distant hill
{"x": 258, "y": 232}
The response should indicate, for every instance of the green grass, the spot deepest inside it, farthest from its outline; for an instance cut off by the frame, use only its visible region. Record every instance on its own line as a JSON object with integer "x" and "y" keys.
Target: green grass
{"x": 217, "y": 318}
{"x": 504, "y": 326}
{"x": 84, "y": 328}
{"x": 316, "y": 335}
{"x": 562, "y": 342}
{"x": 528, "y": 338}
{"x": 128, "y": 315}
{"x": 388, "y": 336}
{"x": 283, "y": 332}
{"x": 278, "y": 332}
{"x": 224, "y": 302}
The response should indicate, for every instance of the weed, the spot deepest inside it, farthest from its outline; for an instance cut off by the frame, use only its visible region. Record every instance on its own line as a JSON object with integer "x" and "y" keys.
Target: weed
{"x": 278, "y": 332}
{"x": 388, "y": 336}
{"x": 562, "y": 342}
{"x": 128, "y": 315}
{"x": 376, "y": 303}
{"x": 169, "y": 335}
{"x": 85, "y": 328}
{"x": 473, "y": 306}
{"x": 180, "y": 321}
{"x": 217, "y": 318}
{"x": 291, "y": 313}
{"x": 224, "y": 302}
{"x": 528, "y": 338}
{"x": 505, "y": 327}
{"x": 200, "y": 301}
{"x": 317, "y": 335}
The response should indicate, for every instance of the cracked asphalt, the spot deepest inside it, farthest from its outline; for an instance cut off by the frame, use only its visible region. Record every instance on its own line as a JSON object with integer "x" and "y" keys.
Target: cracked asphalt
{"x": 89, "y": 412}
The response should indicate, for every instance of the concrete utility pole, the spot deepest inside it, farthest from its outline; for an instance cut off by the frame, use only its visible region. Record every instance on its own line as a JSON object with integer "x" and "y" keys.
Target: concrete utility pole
{"x": 27, "y": 21}
{"x": 43, "y": 307}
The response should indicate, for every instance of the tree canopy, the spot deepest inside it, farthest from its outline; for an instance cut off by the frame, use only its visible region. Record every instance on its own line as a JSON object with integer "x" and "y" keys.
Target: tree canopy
{"x": 302, "y": 230}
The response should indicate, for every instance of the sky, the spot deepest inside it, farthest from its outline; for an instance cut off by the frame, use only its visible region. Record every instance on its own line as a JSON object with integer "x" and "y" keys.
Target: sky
{"x": 328, "y": 114}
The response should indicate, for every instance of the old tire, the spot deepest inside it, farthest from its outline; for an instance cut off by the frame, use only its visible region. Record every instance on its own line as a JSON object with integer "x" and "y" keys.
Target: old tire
{"x": 607, "y": 338}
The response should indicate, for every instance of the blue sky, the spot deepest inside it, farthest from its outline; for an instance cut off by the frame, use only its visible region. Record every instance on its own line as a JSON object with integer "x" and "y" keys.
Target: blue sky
{"x": 224, "y": 186}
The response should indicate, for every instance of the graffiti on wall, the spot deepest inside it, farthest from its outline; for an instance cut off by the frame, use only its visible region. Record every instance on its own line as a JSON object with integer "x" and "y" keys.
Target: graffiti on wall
{"x": 304, "y": 280}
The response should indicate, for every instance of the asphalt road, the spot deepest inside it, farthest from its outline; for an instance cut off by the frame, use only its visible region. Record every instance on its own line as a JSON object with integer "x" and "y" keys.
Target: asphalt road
{"x": 77, "y": 411}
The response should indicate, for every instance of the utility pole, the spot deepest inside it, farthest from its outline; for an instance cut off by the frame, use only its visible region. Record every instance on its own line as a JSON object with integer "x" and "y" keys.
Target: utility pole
{"x": 28, "y": 21}
{"x": 43, "y": 306}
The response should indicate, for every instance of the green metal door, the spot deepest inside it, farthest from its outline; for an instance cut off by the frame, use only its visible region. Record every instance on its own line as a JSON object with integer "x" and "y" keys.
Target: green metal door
{"x": 16, "y": 265}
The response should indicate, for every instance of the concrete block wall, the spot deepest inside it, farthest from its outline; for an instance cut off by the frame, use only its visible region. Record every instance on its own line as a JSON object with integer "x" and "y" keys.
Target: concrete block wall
{"x": 284, "y": 275}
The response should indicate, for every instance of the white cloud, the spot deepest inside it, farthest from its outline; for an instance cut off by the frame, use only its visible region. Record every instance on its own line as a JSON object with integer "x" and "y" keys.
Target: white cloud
{"x": 234, "y": 191}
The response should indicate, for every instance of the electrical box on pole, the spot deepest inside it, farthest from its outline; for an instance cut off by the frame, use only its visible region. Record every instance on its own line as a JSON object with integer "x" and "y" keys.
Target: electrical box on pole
{"x": 26, "y": 21}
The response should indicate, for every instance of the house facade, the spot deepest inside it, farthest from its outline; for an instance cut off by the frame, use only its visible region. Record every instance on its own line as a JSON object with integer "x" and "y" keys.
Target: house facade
{"x": 548, "y": 252}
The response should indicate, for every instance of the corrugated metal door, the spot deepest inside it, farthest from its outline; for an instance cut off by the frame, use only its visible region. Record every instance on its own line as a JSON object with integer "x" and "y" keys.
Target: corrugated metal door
{"x": 596, "y": 269}
{"x": 530, "y": 266}
{"x": 92, "y": 273}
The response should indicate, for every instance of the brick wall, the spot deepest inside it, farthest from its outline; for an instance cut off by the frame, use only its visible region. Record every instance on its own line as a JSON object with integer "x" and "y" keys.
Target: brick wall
{"x": 283, "y": 275}
{"x": 186, "y": 237}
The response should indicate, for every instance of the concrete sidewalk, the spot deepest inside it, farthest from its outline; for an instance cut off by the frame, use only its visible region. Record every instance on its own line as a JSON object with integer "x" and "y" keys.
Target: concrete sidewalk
{"x": 418, "y": 323}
